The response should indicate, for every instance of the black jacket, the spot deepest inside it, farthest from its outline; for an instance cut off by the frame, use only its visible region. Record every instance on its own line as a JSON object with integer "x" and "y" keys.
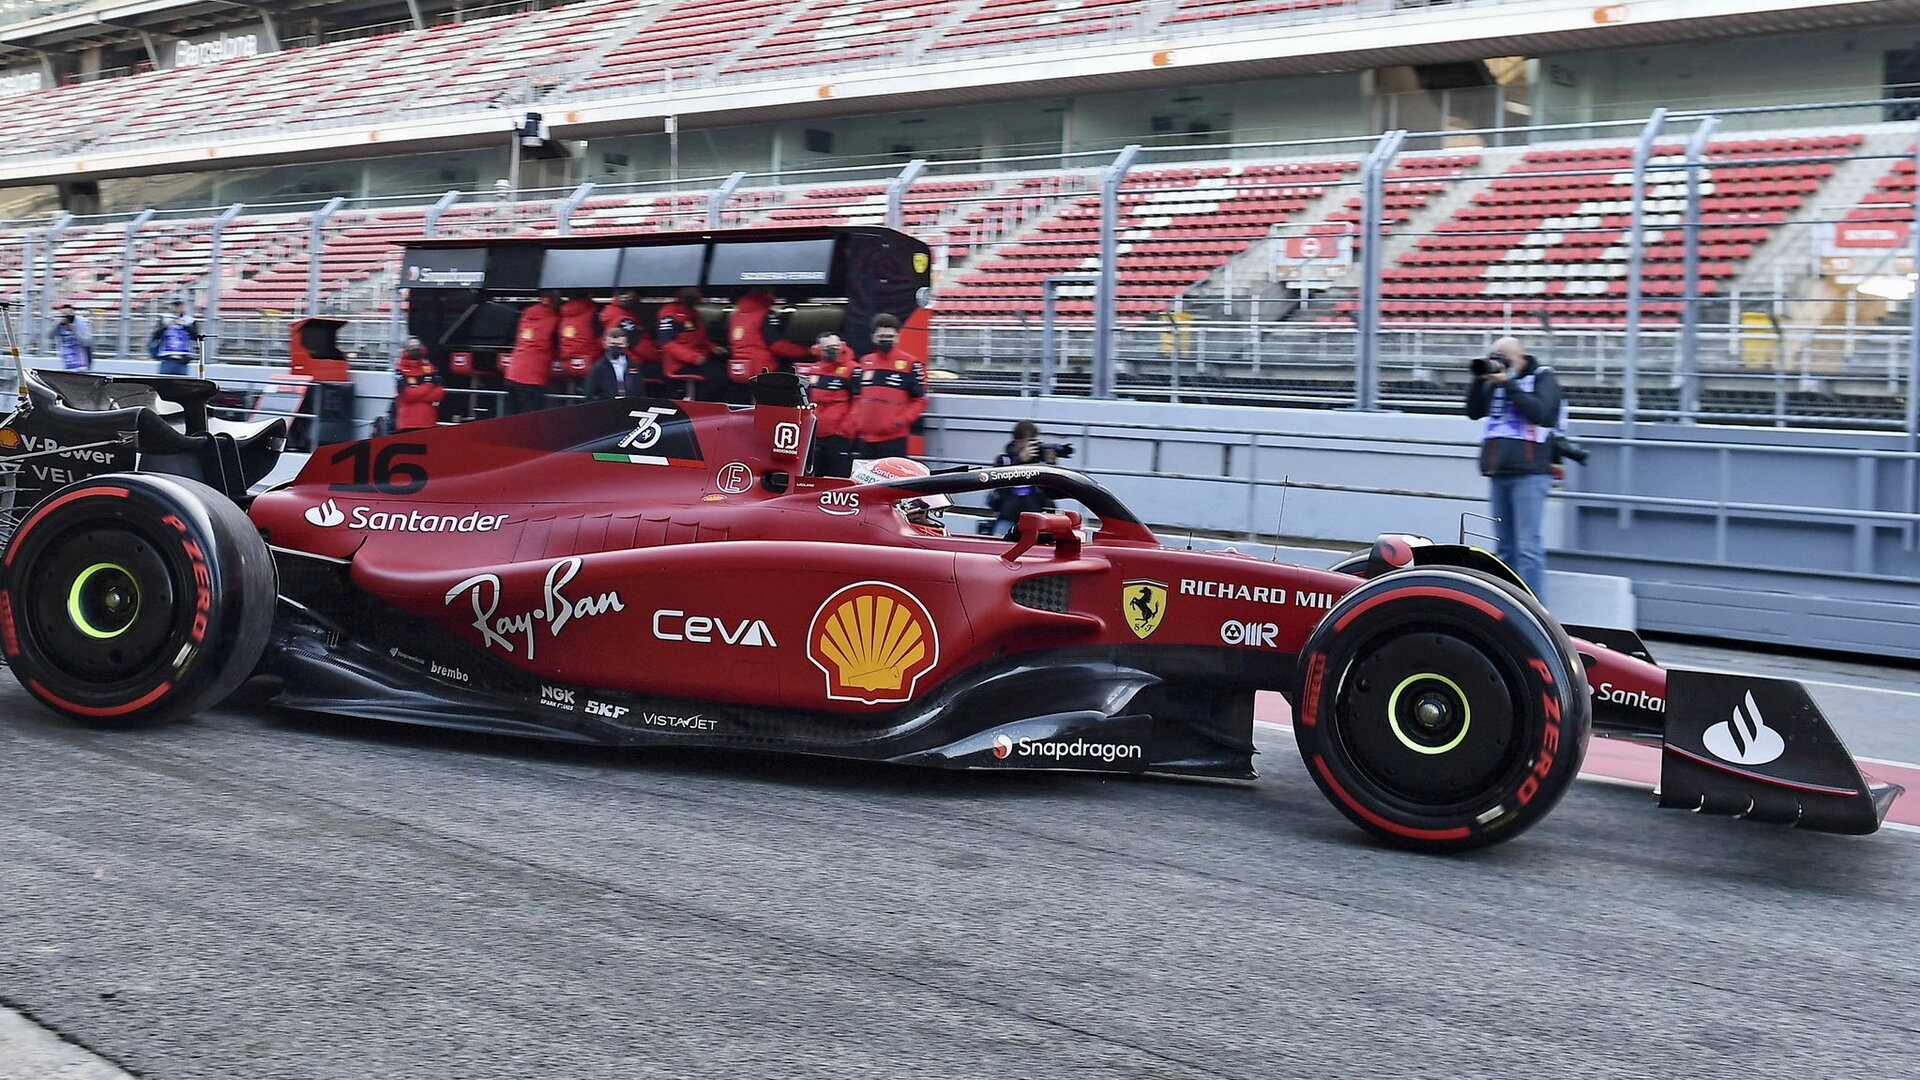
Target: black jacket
{"x": 602, "y": 384}
{"x": 1539, "y": 406}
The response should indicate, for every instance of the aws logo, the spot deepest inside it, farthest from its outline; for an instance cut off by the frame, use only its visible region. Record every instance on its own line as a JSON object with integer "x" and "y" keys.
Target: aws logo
{"x": 873, "y": 641}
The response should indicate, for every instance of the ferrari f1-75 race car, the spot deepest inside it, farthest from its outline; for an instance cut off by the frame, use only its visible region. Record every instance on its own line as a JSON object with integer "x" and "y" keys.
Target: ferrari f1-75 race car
{"x": 659, "y": 572}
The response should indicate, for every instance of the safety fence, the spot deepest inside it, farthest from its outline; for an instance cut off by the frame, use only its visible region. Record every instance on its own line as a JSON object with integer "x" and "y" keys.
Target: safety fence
{"x": 1745, "y": 266}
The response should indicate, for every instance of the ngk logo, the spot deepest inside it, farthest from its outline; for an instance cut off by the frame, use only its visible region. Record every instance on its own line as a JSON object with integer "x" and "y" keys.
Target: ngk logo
{"x": 1257, "y": 635}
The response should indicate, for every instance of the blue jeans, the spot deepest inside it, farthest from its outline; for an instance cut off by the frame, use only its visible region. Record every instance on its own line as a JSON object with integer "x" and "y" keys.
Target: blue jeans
{"x": 1520, "y": 505}
{"x": 175, "y": 365}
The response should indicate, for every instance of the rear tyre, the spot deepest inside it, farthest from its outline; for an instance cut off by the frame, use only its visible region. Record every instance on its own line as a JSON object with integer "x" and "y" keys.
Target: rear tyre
{"x": 1440, "y": 710}
{"x": 133, "y": 599}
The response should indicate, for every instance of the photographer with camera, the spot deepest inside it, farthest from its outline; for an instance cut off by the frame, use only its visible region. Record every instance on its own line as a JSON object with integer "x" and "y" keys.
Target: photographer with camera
{"x": 1519, "y": 399}
{"x": 71, "y": 338}
{"x": 1008, "y": 503}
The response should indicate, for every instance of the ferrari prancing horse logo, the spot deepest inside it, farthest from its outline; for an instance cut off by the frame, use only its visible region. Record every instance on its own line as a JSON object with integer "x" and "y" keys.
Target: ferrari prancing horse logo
{"x": 1145, "y": 602}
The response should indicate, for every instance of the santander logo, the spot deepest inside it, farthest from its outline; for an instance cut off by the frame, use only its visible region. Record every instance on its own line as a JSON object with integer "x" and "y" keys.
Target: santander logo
{"x": 1002, "y": 746}
{"x": 1744, "y": 738}
{"x": 326, "y": 515}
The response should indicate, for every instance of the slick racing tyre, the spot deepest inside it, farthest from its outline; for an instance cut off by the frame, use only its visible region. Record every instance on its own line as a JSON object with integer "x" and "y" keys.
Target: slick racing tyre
{"x": 1441, "y": 710}
{"x": 132, "y": 599}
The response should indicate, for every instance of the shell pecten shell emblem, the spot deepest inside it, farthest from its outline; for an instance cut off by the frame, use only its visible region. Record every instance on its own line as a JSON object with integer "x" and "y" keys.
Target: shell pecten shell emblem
{"x": 873, "y": 641}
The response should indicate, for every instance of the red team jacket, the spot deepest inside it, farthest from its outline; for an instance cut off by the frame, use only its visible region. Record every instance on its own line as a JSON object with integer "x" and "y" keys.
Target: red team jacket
{"x": 830, "y": 387}
{"x": 752, "y": 353}
{"x": 892, "y": 394}
{"x": 579, "y": 335}
{"x": 418, "y": 404}
{"x": 683, "y": 334}
{"x": 534, "y": 346}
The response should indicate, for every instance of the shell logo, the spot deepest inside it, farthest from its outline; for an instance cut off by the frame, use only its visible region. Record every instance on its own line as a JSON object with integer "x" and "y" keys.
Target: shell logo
{"x": 873, "y": 641}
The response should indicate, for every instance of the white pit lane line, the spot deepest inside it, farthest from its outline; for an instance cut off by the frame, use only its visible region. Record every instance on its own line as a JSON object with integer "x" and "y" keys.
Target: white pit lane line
{"x": 1602, "y": 778}
{"x": 31, "y": 1052}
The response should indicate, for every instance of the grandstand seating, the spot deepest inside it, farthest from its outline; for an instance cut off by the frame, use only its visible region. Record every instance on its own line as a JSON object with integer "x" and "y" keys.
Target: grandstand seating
{"x": 1550, "y": 233}
{"x": 1180, "y": 225}
{"x": 587, "y": 48}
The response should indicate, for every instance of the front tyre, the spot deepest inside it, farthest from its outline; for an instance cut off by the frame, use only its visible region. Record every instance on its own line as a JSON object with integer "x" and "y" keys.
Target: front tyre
{"x": 1440, "y": 710}
{"x": 132, "y": 599}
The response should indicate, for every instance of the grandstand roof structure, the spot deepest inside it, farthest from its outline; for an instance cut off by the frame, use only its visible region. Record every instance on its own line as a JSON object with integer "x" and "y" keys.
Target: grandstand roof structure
{"x": 446, "y": 87}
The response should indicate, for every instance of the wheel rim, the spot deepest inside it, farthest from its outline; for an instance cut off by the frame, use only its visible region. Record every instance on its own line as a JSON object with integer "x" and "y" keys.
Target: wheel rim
{"x": 102, "y": 606}
{"x": 103, "y": 601}
{"x": 1430, "y": 718}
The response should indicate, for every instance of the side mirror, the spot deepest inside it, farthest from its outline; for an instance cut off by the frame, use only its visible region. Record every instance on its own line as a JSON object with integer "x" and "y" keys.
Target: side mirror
{"x": 1060, "y": 528}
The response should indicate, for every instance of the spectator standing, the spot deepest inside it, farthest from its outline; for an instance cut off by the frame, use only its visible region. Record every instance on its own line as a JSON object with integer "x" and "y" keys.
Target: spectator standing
{"x": 1519, "y": 399}
{"x": 417, "y": 394}
{"x": 756, "y": 343}
{"x": 627, "y": 313}
{"x": 831, "y": 376}
{"x": 891, "y": 396}
{"x": 71, "y": 338}
{"x": 175, "y": 340}
{"x": 1008, "y": 503}
{"x": 616, "y": 374}
{"x": 530, "y": 367}
{"x": 684, "y": 346}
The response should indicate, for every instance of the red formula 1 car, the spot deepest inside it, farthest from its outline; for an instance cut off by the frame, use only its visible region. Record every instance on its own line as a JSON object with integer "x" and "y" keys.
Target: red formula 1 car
{"x": 669, "y": 573}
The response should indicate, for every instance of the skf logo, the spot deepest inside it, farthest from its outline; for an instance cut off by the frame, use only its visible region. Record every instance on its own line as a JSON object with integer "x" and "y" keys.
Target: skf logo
{"x": 1744, "y": 738}
{"x": 840, "y": 503}
{"x": 1145, "y": 603}
{"x": 326, "y": 515}
{"x": 873, "y": 641}
{"x": 920, "y": 262}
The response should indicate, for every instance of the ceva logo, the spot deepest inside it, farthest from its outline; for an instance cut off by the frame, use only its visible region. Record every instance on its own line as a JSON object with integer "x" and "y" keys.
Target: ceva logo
{"x": 326, "y": 515}
{"x": 1744, "y": 738}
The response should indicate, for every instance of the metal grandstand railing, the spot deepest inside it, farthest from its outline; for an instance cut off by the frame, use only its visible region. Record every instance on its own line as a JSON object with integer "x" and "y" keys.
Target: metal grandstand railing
{"x": 1672, "y": 270}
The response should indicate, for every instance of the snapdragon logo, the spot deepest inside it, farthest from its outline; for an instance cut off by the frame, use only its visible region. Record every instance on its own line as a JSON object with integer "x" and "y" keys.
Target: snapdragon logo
{"x": 1058, "y": 749}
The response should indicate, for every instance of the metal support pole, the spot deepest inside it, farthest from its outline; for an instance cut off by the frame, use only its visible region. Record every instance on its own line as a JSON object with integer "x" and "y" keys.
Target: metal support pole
{"x": 316, "y": 227}
{"x": 673, "y": 148}
{"x": 1373, "y": 212}
{"x": 1049, "y": 336}
{"x": 1636, "y": 250}
{"x": 1106, "y": 293}
{"x": 38, "y": 312}
{"x": 717, "y": 199}
{"x": 1690, "y": 313}
{"x": 1913, "y": 333}
{"x": 431, "y": 228}
{"x": 126, "y": 280}
{"x": 210, "y": 313}
{"x": 563, "y": 214}
{"x": 897, "y": 192}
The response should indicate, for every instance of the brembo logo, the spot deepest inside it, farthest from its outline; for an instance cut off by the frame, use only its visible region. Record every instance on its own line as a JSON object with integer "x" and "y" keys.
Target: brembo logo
{"x": 1744, "y": 738}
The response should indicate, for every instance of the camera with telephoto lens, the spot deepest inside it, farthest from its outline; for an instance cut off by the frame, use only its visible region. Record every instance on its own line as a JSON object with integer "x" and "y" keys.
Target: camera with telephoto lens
{"x": 1487, "y": 365}
{"x": 1567, "y": 449}
{"x": 1053, "y": 451}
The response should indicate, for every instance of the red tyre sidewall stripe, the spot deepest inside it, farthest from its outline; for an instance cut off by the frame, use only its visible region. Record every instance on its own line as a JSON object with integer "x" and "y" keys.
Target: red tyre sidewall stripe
{"x": 53, "y": 504}
{"x": 1326, "y": 777}
{"x": 1434, "y": 591}
{"x": 89, "y": 710}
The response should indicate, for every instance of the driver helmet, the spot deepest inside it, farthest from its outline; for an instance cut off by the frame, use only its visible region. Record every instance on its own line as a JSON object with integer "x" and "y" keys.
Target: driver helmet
{"x": 921, "y": 509}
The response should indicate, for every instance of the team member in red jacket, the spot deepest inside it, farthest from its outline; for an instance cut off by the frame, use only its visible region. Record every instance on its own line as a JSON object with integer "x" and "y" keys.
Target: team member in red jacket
{"x": 416, "y": 396}
{"x": 684, "y": 345}
{"x": 530, "y": 368}
{"x": 831, "y": 374}
{"x": 892, "y": 394}
{"x": 579, "y": 336}
{"x": 756, "y": 344}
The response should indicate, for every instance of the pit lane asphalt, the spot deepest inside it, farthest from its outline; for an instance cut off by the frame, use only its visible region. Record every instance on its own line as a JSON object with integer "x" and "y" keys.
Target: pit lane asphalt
{"x": 259, "y": 895}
